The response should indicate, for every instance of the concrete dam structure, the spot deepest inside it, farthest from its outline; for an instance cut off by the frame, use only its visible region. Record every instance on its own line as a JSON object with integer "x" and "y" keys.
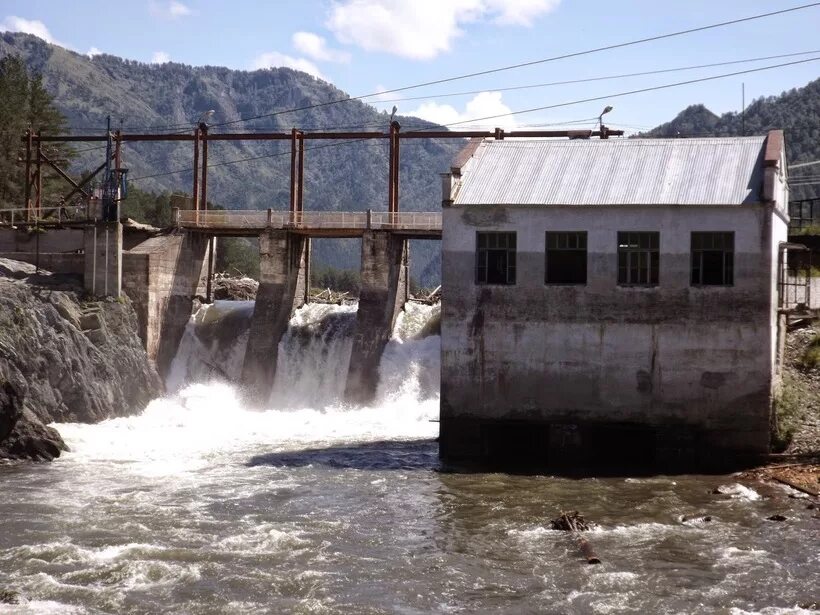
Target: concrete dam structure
{"x": 164, "y": 272}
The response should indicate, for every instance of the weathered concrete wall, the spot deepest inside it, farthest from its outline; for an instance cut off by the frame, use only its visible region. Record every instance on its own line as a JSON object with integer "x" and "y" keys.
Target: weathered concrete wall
{"x": 66, "y": 263}
{"x": 50, "y": 240}
{"x": 283, "y": 288}
{"x": 542, "y": 367}
{"x": 382, "y": 296}
{"x": 103, "y": 259}
{"x": 162, "y": 275}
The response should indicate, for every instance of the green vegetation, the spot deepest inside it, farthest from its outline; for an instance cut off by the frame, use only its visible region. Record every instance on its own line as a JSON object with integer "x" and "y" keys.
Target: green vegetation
{"x": 796, "y": 111}
{"x": 810, "y": 358}
{"x": 341, "y": 280}
{"x": 171, "y": 97}
{"x": 24, "y": 104}
{"x": 789, "y": 407}
{"x": 238, "y": 256}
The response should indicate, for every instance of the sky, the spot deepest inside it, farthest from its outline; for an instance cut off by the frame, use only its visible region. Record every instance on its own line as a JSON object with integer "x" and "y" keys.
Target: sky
{"x": 370, "y": 46}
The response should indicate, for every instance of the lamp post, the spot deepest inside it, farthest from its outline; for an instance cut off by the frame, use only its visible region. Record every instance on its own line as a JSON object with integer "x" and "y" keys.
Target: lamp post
{"x": 601, "y": 126}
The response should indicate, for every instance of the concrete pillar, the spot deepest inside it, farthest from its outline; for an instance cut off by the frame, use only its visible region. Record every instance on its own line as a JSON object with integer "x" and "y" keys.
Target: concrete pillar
{"x": 383, "y": 293}
{"x": 283, "y": 263}
{"x": 102, "y": 243}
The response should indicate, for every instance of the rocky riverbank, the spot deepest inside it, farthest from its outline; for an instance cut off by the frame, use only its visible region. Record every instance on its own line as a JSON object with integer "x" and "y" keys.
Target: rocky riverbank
{"x": 64, "y": 359}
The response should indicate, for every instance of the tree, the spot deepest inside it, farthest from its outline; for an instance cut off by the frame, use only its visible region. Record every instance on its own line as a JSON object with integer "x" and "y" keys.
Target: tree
{"x": 24, "y": 104}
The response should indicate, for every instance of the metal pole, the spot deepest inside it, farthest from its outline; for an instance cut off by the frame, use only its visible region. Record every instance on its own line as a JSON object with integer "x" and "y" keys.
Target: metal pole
{"x": 28, "y": 170}
{"x": 391, "y": 162}
{"x": 117, "y": 167}
{"x": 195, "y": 194}
{"x": 293, "y": 178}
{"x": 396, "y": 172}
{"x": 39, "y": 187}
{"x": 203, "y": 127}
{"x": 300, "y": 187}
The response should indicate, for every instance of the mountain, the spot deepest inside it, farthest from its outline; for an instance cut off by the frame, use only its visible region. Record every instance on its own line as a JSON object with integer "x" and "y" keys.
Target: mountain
{"x": 171, "y": 97}
{"x": 797, "y": 112}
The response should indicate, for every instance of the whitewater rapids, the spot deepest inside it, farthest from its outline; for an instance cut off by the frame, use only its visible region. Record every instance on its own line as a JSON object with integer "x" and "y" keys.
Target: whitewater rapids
{"x": 202, "y": 506}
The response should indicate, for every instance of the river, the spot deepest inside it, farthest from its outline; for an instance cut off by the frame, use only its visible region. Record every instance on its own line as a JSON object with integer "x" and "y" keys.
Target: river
{"x": 201, "y": 505}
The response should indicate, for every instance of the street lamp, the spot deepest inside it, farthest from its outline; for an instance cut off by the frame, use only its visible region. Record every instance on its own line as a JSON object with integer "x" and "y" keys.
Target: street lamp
{"x": 205, "y": 116}
{"x": 606, "y": 110}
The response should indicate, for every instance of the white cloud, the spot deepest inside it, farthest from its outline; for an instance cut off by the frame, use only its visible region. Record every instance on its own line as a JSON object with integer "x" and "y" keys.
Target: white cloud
{"x": 93, "y": 52}
{"x": 315, "y": 47}
{"x": 160, "y": 57}
{"x": 169, "y": 10}
{"x": 422, "y": 29}
{"x": 29, "y": 26}
{"x": 274, "y": 58}
{"x": 485, "y": 104}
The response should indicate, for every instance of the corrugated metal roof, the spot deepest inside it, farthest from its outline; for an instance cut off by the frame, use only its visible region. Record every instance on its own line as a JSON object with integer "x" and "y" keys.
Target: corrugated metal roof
{"x": 715, "y": 171}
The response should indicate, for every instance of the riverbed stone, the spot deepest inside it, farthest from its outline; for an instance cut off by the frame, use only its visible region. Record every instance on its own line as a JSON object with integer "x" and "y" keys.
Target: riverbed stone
{"x": 61, "y": 373}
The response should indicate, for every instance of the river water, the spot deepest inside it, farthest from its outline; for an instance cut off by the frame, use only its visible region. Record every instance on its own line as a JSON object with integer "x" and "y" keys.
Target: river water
{"x": 201, "y": 505}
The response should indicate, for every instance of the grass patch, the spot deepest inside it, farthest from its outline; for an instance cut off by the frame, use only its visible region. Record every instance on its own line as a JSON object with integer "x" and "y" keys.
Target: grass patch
{"x": 789, "y": 406}
{"x": 810, "y": 357}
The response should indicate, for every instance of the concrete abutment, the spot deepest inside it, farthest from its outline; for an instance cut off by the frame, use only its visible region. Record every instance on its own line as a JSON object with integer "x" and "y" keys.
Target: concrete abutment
{"x": 383, "y": 293}
{"x": 283, "y": 288}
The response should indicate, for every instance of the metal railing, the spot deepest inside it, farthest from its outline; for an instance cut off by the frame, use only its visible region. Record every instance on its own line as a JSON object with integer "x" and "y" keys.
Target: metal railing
{"x": 308, "y": 220}
{"x": 46, "y": 215}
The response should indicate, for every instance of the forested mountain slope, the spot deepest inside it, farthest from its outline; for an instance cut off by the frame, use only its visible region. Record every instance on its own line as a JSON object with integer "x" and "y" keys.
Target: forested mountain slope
{"x": 797, "y": 112}
{"x": 172, "y": 97}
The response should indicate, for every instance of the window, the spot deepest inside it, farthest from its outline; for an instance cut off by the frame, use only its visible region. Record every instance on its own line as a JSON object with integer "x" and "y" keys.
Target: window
{"x": 566, "y": 258}
{"x": 495, "y": 258}
{"x": 638, "y": 256}
{"x": 713, "y": 259}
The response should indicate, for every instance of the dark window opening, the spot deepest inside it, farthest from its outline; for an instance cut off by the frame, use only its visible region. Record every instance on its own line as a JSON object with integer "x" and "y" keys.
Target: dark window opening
{"x": 495, "y": 258}
{"x": 566, "y": 258}
{"x": 638, "y": 258}
{"x": 713, "y": 259}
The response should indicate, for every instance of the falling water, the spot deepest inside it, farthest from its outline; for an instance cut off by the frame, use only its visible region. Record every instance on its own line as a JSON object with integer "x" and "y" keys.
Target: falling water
{"x": 201, "y": 505}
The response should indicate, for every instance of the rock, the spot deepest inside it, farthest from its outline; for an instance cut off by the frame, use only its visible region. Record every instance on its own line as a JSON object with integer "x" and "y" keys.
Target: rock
{"x": 776, "y": 518}
{"x": 11, "y": 408}
{"x": 62, "y": 374}
{"x": 31, "y": 439}
{"x": 90, "y": 320}
{"x": 8, "y": 596}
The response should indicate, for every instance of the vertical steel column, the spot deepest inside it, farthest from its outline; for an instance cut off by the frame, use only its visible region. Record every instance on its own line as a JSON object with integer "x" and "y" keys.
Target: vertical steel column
{"x": 195, "y": 192}
{"x": 396, "y": 158}
{"x": 300, "y": 186}
{"x": 293, "y": 178}
{"x": 391, "y": 164}
{"x": 38, "y": 203}
{"x": 117, "y": 167}
{"x": 203, "y": 127}
{"x": 28, "y": 171}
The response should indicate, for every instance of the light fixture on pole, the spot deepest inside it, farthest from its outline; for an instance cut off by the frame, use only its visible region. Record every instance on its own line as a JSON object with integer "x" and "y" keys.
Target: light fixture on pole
{"x": 606, "y": 110}
{"x": 205, "y": 116}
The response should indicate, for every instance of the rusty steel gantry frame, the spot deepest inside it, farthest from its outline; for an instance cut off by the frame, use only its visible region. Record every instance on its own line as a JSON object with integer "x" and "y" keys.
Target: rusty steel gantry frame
{"x": 201, "y": 137}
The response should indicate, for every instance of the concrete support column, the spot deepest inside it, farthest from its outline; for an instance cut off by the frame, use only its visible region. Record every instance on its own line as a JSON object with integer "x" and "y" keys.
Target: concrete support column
{"x": 382, "y": 296}
{"x": 175, "y": 277}
{"x": 102, "y": 243}
{"x": 283, "y": 265}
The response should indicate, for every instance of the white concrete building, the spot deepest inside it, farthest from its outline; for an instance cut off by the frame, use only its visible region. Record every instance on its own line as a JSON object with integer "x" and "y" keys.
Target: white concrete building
{"x": 611, "y": 299}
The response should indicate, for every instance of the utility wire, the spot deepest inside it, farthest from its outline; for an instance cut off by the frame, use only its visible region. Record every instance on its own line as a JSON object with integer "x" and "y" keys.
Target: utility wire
{"x": 629, "y": 92}
{"x": 530, "y": 63}
{"x": 511, "y": 113}
{"x": 605, "y": 78}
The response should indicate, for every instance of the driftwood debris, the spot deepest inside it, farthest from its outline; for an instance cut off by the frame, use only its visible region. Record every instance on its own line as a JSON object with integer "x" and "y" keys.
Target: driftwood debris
{"x": 575, "y": 523}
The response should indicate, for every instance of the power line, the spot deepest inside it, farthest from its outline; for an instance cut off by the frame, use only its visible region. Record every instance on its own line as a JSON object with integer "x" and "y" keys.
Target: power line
{"x": 522, "y": 111}
{"x": 604, "y": 78}
{"x": 630, "y": 92}
{"x": 530, "y": 63}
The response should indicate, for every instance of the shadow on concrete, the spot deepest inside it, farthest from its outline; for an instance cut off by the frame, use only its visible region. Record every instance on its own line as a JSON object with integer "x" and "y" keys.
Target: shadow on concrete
{"x": 419, "y": 455}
